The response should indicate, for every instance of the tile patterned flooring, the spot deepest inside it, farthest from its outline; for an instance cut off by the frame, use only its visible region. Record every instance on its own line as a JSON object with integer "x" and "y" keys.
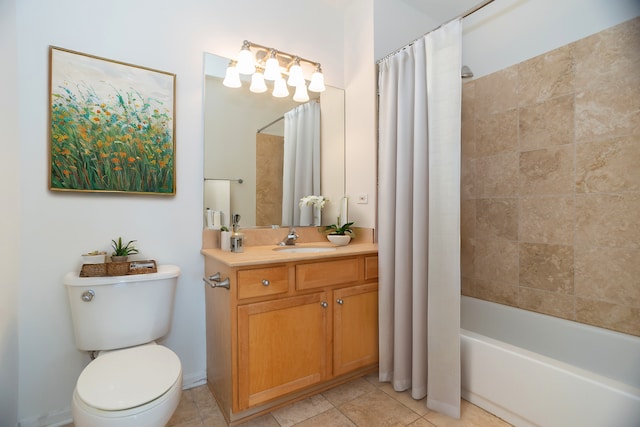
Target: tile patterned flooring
{"x": 363, "y": 402}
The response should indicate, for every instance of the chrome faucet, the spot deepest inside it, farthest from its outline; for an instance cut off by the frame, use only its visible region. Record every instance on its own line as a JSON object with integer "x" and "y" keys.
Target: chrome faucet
{"x": 291, "y": 238}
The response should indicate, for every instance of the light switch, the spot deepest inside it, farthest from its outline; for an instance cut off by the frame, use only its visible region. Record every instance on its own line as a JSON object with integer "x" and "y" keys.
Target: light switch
{"x": 363, "y": 199}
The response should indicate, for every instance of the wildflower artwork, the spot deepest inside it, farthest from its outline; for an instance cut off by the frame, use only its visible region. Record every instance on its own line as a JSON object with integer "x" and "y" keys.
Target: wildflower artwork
{"x": 112, "y": 126}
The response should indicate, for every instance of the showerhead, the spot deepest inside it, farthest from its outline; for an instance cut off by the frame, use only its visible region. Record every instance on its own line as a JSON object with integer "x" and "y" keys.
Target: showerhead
{"x": 466, "y": 72}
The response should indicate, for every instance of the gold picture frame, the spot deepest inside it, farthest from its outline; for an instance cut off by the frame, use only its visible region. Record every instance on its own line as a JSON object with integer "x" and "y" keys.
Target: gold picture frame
{"x": 112, "y": 126}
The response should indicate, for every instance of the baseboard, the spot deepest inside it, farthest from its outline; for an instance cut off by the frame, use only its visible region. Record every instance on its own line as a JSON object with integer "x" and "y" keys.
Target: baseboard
{"x": 194, "y": 380}
{"x": 57, "y": 418}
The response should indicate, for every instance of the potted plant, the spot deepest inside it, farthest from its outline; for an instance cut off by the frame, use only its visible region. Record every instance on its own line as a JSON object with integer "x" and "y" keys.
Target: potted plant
{"x": 339, "y": 234}
{"x": 318, "y": 203}
{"x": 121, "y": 251}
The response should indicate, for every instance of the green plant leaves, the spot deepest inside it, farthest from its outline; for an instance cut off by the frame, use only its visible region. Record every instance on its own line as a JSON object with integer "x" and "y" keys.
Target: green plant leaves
{"x": 120, "y": 249}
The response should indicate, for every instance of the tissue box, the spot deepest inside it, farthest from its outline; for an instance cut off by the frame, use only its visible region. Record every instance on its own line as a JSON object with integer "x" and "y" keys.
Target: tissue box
{"x": 93, "y": 258}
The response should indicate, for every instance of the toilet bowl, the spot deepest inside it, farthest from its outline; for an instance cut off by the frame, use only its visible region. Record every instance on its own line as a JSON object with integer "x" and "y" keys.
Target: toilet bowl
{"x": 138, "y": 386}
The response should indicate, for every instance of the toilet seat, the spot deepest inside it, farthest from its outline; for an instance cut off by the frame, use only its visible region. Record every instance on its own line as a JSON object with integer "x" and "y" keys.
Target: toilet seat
{"x": 124, "y": 379}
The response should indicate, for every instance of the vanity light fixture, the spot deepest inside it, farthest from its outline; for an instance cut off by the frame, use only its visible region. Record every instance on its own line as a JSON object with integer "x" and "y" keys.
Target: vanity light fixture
{"x": 232, "y": 77}
{"x": 317, "y": 81}
{"x": 246, "y": 64}
{"x": 258, "y": 84}
{"x": 265, "y": 63}
{"x": 296, "y": 77}
{"x": 280, "y": 88}
{"x": 272, "y": 69}
{"x": 301, "y": 94}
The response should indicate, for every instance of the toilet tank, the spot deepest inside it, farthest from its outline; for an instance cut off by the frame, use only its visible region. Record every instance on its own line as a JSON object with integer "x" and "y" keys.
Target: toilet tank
{"x": 121, "y": 311}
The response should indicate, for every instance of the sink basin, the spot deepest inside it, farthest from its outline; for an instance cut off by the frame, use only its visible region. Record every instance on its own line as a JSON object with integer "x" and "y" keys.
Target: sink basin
{"x": 303, "y": 249}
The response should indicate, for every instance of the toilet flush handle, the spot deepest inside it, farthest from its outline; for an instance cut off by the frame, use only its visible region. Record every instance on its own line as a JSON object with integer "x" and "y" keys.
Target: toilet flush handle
{"x": 87, "y": 296}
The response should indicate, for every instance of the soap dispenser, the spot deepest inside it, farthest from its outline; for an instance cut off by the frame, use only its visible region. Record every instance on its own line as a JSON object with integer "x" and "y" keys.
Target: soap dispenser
{"x": 237, "y": 238}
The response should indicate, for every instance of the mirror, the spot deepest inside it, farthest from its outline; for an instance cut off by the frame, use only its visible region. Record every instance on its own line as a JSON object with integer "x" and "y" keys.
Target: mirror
{"x": 244, "y": 149}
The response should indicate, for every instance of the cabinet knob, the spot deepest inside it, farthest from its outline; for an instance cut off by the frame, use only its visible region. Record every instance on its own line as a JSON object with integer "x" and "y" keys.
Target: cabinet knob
{"x": 340, "y": 301}
{"x": 265, "y": 282}
{"x": 324, "y": 304}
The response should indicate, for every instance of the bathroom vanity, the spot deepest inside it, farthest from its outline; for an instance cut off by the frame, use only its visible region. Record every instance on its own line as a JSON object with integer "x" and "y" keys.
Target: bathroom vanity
{"x": 288, "y": 323}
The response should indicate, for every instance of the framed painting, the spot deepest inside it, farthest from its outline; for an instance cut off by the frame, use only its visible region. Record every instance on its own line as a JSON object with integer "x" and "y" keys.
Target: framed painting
{"x": 112, "y": 126}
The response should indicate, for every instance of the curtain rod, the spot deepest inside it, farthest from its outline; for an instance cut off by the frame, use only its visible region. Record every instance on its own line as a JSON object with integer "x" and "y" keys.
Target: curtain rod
{"x": 462, "y": 16}
{"x": 266, "y": 126}
{"x": 238, "y": 180}
{"x": 280, "y": 118}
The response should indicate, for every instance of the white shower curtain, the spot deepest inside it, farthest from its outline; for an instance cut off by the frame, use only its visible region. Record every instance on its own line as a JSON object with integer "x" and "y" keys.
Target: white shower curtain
{"x": 301, "y": 168}
{"x": 419, "y": 217}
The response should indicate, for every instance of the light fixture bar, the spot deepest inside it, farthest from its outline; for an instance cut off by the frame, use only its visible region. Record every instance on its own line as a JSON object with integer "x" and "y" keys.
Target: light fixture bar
{"x": 289, "y": 56}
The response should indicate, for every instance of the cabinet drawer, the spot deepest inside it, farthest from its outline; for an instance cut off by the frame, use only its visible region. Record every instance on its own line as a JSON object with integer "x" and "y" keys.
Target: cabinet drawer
{"x": 262, "y": 282}
{"x": 370, "y": 267}
{"x": 328, "y": 273}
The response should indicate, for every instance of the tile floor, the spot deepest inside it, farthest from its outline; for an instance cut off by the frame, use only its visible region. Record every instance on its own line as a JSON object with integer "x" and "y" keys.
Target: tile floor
{"x": 363, "y": 402}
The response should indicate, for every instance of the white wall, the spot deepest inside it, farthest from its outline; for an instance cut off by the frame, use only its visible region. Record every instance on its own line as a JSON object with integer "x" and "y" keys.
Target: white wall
{"x": 389, "y": 35}
{"x": 10, "y": 216}
{"x": 398, "y": 23}
{"x": 48, "y": 231}
{"x": 360, "y": 109}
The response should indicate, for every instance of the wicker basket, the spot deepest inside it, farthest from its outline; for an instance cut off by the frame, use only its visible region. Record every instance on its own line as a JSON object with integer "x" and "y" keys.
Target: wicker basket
{"x": 142, "y": 267}
{"x": 93, "y": 270}
{"x": 118, "y": 268}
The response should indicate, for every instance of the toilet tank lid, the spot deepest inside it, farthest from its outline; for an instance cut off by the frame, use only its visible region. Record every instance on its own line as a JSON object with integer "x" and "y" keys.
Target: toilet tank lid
{"x": 124, "y": 379}
{"x": 166, "y": 271}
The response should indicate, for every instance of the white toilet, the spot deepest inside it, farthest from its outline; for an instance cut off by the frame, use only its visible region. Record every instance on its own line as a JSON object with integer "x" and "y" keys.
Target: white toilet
{"x": 133, "y": 381}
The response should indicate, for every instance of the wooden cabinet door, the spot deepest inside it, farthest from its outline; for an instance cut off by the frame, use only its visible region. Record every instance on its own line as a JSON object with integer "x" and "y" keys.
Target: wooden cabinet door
{"x": 282, "y": 347}
{"x": 355, "y": 328}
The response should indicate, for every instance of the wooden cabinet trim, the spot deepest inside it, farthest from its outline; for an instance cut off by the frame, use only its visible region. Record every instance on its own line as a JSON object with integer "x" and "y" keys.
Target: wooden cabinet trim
{"x": 370, "y": 267}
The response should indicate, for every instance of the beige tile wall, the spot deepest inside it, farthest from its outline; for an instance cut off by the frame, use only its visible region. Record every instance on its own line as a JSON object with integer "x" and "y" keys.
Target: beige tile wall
{"x": 550, "y": 210}
{"x": 269, "y": 161}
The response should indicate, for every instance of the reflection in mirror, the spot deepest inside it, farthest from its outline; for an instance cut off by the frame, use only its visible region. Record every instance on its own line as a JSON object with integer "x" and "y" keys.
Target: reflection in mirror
{"x": 245, "y": 149}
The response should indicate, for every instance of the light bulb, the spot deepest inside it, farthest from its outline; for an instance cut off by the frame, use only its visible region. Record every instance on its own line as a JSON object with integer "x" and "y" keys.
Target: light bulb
{"x": 317, "y": 81}
{"x": 246, "y": 64}
{"x": 257, "y": 83}
{"x": 296, "y": 78}
{"x": 232, "y": 77}
{"x": 301, "y": 94}
{"x": 272, "y": 68}
{"x": 280, "y": 88}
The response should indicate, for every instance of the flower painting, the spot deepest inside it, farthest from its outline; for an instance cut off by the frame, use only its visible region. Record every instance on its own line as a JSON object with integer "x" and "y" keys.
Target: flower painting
{"x": 112, "y": 126}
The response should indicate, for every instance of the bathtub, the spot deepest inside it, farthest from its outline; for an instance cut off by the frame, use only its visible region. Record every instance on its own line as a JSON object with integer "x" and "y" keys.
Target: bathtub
{"x": 536, "y": 370}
